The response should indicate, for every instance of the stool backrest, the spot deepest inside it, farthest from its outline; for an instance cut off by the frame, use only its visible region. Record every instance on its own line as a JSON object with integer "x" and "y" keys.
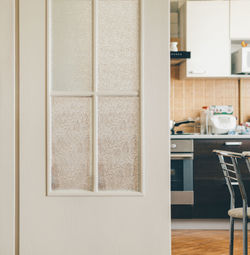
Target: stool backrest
{"x": 246, "y": 156}
{"x": 230, "y": 167}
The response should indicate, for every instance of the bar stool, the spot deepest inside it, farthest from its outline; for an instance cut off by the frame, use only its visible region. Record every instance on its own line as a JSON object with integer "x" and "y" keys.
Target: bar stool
{"x": 230, "y": 167}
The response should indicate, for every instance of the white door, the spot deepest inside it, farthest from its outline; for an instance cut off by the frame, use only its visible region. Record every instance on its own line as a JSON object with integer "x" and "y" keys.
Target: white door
{"x": 94, "y": 133}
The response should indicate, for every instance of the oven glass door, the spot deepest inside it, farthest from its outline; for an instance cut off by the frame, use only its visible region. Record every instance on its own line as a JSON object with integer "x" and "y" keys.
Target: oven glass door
{"x": 182, "y": 171}
{"x": 177, "y": 175}
{"x": 182, "y": 179}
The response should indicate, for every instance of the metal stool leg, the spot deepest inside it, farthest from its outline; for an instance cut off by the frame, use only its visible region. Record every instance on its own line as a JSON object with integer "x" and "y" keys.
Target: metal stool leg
{"x": 231, "y": 236}
{"x": 245, "y": 236}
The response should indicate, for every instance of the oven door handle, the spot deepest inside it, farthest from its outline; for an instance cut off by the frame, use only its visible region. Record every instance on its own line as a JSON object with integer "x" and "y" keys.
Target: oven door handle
{"x": 182, "y": 156}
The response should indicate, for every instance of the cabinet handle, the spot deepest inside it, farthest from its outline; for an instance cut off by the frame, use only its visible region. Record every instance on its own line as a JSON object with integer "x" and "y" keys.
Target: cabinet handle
{"x": 182, "y": 156}
{"x": 235, "y": 183}
{"x": 197, "y": 72}
{"x": 173, "y": 145}
{"x": 233, "y": 143}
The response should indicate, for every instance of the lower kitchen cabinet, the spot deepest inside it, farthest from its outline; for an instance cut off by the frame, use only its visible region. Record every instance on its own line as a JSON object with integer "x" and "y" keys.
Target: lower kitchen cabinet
{"x": 211, "y": 199}
{"x": 211, "y": 195}
{"x": 182, "y": 211}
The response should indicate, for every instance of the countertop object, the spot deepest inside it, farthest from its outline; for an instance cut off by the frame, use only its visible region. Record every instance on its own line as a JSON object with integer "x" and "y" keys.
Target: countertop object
{"x": 198, "y": 136}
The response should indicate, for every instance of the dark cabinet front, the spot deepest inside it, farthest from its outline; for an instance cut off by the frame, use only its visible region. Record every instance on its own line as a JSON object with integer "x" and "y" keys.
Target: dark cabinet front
{"x": 211, "y": 196}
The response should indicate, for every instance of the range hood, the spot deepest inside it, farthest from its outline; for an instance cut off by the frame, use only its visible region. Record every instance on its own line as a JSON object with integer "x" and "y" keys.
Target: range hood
{"x": 179, "y": 56}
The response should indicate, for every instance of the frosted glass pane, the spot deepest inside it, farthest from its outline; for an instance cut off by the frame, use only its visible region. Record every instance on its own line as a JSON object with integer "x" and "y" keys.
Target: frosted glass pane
{"x": 71, "y": 143}
{"x": 119, "y": 143}
{"x": 118, "y": 46}
{"x": 70, "y": 36}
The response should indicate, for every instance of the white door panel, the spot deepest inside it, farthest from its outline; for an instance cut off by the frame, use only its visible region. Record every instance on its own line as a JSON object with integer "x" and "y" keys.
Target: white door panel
{"x": 91, "y": 180}
{"x": 7, "y": 126}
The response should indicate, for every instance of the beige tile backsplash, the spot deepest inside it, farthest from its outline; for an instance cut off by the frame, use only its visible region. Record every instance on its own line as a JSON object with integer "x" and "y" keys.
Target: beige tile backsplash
{"x": 245, "y": 100}
{"x": 188, "y": 96}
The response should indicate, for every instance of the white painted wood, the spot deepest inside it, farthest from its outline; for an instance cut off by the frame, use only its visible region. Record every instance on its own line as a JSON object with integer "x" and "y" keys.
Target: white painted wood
{"x": 239, "y": 20}
{"x": 95, "y": 100}
{"x": 141, "y": 94}
{"x": 77, "y": 193}
{"x": 108, "y": 225}
{"x": 8, "y": 154}
{"x": 205, "y": 32}
{"x": 89, "y": 93}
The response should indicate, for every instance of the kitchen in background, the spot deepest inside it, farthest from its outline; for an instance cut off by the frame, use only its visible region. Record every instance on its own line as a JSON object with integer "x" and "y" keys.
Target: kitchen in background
{"x": 207, "y": 79}
{"x": 210, "y": 74}
{"x": 190, "y": 95}
{"x": 210, "y": 110}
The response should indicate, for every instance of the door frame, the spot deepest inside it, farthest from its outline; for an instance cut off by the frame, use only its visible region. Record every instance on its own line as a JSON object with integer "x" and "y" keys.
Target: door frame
{"x": 9, "y": 103}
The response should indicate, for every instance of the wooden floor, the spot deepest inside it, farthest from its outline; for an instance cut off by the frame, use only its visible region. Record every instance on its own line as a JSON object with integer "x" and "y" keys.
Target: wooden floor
{"x": 204, "y": 242}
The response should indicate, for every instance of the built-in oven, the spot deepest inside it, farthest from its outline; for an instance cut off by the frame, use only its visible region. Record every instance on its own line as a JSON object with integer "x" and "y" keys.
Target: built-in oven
{"x": 182, "y": 155}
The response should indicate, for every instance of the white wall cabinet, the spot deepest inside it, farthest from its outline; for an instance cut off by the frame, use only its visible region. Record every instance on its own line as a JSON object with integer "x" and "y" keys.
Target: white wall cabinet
{"x": 205, "y": 32}
{"x": 239, "y": 20}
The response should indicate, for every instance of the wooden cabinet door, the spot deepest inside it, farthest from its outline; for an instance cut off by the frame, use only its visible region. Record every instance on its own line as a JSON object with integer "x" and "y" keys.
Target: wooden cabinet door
{"x": 207, "y": 37}
{"x": 239, "y": 20}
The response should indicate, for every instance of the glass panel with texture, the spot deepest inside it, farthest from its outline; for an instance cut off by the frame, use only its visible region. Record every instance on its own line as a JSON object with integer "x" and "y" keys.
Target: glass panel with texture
{"x": 108, "y": 160}
{"x": 119, "y": 143}
{"x": 70, "y": 45}
{"x": 118, "y": 47}
{"x": 71, "y": 155}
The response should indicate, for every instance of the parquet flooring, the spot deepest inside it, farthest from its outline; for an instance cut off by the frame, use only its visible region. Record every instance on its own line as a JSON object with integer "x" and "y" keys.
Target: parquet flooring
{"x": 205, "y": 242}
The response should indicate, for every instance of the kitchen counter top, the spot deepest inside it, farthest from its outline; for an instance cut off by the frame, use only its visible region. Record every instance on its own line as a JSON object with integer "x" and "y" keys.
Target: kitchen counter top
{"x": 198, "y": 136}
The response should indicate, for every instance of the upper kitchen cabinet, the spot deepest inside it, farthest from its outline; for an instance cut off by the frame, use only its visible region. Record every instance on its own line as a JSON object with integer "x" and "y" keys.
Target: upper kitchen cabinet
{"x": 239, "y": 20}
{"x": 204, "y": 30}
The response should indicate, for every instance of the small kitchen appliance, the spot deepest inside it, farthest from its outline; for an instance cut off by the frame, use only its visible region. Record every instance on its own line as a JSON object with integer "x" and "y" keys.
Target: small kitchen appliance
{"x": 222, "y": 124}
{"x": 218, "y": 119}
{"x": 241, "y": 61}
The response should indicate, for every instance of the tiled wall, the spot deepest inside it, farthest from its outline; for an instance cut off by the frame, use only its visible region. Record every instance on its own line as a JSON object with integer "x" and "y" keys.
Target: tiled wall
{"x": 188, "y": 96}
{"x": 245, "y": 100}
